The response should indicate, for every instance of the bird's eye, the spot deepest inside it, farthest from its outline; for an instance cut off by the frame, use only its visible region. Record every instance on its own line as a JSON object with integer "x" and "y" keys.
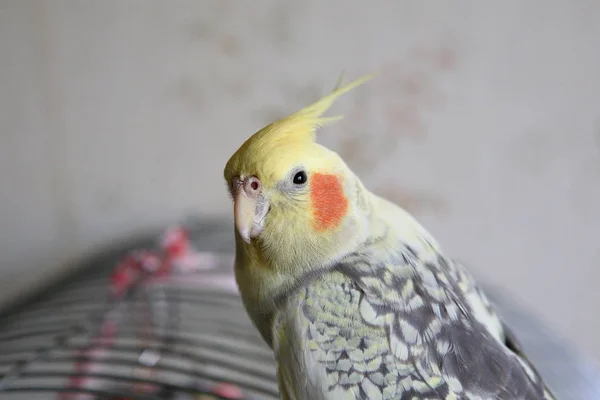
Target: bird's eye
{"x": 300, "y": 178}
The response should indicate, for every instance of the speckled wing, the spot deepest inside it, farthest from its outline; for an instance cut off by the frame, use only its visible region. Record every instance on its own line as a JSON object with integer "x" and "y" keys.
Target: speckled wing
{"x": 440, "y": 323}
{"x": 408, "y": 329}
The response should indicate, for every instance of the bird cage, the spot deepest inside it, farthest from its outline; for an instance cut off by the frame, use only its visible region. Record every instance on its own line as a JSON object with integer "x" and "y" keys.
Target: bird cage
{"x": 165, "y": 321}
{"x": 156, "y": 323}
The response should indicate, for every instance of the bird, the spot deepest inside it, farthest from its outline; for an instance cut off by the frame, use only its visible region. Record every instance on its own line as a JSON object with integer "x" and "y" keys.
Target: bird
{"x": 356, "y": 299}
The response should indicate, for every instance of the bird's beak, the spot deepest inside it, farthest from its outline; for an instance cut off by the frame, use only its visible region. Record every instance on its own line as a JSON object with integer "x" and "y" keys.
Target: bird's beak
{"x": 249, "y": 207}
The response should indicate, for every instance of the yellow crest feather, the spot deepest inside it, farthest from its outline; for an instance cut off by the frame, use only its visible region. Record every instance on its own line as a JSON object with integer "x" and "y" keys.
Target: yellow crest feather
{"x": 303, "y": 123}
{"x": 297, "y": 129}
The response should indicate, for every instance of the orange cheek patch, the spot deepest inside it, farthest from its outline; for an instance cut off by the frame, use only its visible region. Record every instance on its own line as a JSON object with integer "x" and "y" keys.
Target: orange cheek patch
{"x": 329, "y": 202}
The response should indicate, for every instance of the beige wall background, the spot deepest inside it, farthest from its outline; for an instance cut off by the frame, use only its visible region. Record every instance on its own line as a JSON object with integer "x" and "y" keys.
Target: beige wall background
{"x": 118, "y": 115}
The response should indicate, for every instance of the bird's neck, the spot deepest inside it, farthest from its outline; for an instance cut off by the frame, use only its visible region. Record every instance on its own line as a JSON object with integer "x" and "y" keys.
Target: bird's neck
{"x": 265, "y": 282}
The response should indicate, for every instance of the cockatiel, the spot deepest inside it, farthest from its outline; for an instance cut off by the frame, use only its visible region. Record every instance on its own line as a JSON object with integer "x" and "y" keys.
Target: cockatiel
{"x": 356, "y": 299}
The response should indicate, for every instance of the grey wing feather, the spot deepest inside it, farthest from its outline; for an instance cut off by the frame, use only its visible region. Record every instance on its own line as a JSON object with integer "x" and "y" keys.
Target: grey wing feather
{"x": 488, "y": 358}
{"x": 506, "y": 335}
{"x": 513, "y": 343}
{"x": 458, "y": 335}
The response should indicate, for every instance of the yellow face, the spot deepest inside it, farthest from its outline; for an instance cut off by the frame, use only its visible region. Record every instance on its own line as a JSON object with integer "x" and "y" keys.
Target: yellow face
{"x": 300, "y": 181}
{"x": 290, "y": 194}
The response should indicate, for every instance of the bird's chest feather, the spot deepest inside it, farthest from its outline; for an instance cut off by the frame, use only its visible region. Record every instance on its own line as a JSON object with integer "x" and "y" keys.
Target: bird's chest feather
{"x": 323, "y": 338}
{"x": 333, "y": 341}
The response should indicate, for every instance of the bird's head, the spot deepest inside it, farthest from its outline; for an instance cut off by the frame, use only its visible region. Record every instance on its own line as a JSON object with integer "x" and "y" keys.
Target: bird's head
{"x": 296, "y": 203}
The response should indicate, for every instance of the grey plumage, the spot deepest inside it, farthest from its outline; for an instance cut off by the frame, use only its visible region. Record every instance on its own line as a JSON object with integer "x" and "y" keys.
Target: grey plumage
{"x": 412, "y": 324}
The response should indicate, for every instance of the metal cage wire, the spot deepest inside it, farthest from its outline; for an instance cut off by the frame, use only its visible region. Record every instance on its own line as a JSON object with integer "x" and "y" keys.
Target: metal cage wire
{"x": 182, "y": 337}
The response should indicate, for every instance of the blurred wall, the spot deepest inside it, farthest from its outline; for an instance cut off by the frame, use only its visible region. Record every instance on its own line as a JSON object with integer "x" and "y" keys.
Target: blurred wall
{"x": 484, "y": 121}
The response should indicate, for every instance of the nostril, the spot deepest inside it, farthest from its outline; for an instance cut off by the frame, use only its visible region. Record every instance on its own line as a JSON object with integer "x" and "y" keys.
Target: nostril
{"x": 252, "y": 184}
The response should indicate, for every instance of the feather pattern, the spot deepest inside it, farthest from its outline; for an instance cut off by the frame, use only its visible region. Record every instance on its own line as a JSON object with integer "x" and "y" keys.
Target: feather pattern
{"x": 404, "y": 323}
